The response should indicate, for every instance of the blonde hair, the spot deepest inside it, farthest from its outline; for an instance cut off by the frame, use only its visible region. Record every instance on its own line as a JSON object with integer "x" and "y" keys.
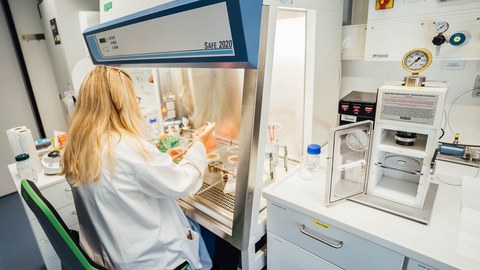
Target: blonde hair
{"x": 106, "y": 106}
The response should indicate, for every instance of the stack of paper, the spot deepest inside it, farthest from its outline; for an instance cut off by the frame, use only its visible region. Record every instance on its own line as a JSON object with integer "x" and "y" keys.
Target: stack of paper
{"x": 468, "y": 243}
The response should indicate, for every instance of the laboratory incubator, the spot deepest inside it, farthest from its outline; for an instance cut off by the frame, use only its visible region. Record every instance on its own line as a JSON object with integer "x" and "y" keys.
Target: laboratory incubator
{"x": 389, "y": 167}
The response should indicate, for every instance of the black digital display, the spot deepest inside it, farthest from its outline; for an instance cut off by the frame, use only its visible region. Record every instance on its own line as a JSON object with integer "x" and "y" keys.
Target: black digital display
{"x": 102, "y": 40}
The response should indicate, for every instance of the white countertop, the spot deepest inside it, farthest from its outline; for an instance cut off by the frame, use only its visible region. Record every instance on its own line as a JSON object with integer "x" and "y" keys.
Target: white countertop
{"x": 433, "y": 244}
{"x": 43, "y": 179}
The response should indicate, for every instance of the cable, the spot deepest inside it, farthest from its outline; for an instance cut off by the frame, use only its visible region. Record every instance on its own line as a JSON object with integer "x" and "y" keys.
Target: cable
{"x": 443, "y": 133}
{"x": 447, "y": 183}
{"x": 450, "y": 108}
{"x": 478, "y": 171}
{"x": 444, "y": 124}
{"x": 445, "y": 118}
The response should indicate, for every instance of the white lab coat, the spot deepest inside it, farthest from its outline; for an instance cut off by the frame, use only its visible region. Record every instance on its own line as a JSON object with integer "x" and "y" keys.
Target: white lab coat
{"x": 134, "y": 211}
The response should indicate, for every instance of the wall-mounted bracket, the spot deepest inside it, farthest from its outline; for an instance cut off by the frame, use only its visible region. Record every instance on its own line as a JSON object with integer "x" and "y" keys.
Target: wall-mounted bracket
{"x": 37, "y": 37}
{"x": 476, "y": 87}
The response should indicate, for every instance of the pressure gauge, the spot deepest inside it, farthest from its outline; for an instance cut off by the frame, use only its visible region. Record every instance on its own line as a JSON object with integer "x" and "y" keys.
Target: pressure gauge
{"x": 358, "y": 140}
{"x": 417, "y": 60}
{"x": 441, "y": 27}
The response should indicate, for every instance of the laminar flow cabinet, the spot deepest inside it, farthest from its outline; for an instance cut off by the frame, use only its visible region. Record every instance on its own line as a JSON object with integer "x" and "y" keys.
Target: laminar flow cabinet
{"x": 237, "y": 71}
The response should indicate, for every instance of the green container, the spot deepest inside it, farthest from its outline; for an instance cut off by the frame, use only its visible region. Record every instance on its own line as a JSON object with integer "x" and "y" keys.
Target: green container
{"x": 167, "y": 143}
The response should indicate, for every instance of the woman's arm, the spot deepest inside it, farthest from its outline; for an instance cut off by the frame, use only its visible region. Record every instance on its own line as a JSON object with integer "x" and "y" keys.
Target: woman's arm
{"x": 160, "y": 177}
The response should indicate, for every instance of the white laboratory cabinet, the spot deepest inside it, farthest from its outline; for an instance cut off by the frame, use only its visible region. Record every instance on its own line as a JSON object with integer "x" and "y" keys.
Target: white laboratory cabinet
{"x": 58, "y": 192}
{"x": 296, "y": 232}
{"x": 302, "y": 233}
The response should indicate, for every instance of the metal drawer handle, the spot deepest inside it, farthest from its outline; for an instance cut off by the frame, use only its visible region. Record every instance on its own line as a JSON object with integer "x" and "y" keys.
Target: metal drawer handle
{"x": 68, "y": 189}
{"x": 338, "y": 244}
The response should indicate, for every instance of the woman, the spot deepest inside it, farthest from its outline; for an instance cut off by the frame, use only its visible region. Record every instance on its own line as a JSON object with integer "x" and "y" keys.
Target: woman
{"x": 124, "y": 188}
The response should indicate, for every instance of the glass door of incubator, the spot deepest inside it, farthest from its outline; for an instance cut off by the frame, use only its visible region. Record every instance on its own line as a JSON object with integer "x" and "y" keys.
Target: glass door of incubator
{"x": 348, "y": 161}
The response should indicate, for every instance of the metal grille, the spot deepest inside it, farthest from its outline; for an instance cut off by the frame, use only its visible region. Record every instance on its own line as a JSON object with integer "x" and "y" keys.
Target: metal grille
{"x": 218, "y": 197}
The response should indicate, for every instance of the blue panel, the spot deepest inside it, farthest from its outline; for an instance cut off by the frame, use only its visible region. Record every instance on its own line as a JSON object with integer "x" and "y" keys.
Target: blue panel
{"x": 245, "y": 20}
{"x": 251, "y": 11}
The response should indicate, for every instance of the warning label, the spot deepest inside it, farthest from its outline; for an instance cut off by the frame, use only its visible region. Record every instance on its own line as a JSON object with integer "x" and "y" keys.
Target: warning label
{"x": 408, "y": 107}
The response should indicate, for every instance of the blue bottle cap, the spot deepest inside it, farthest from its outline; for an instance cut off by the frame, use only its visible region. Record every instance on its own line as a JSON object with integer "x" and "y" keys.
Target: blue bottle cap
{"x": 42, "y": 143}
{"x": 314, "y": 149}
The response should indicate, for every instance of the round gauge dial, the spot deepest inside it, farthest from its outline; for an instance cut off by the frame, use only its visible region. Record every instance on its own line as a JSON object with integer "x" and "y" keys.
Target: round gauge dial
{"x": 358, "y": 140}
{"x": 441, "y": 27}
{"x": 417, "y": 60}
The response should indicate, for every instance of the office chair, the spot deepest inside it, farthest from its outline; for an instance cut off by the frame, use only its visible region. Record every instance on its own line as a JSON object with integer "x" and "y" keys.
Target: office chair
{"x": 65, "y": 242}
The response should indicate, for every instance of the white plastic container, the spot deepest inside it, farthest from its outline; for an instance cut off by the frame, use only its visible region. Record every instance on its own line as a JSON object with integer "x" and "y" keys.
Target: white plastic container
{"x": 310, "y": 167}
{"x": 25, "y": 168}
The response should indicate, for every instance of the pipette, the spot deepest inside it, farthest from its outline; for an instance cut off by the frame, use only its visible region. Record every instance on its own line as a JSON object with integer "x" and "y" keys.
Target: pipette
{"x": 211, "y": 186}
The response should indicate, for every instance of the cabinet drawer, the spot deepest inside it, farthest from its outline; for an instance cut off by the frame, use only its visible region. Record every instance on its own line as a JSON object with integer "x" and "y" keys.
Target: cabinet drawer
{"x": 37, "y": 230}
{"x": 75, "y": 227}
{"x": 46, "y": 249}
{"x": 30, "y": 214}
{"x": 281, "y": 254}
{"x": 416, "y": 265}
{"x": 332, "y": 244}
{"x": 68, "y": 214}
{"x": 59, "y": 195}
{"x": 53, "y": 263}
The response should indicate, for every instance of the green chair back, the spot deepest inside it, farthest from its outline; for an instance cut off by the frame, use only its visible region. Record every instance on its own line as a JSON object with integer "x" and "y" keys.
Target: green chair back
{"x": 64, "y": 241}
{"x": 60, "y": 236}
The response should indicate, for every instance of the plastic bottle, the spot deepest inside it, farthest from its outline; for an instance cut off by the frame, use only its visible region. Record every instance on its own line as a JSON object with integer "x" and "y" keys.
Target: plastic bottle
{"x": 310, "y": 167}
{"x": 25, "y": 168}
{"x": 154, "y": 131}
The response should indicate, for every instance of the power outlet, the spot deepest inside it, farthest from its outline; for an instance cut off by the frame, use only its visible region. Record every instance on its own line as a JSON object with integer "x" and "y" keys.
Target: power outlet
{"x": 476, "y": 88}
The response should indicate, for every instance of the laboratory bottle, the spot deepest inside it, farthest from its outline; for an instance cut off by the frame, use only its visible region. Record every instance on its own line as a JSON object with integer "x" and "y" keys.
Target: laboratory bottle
{"x": 25, "y": 168}
{"x": 154, "y": 131}
{"x": 310, "y": 166}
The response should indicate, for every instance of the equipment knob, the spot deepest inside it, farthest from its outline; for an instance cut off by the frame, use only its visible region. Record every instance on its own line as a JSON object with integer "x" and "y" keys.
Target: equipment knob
{"x": 438, "y": 40}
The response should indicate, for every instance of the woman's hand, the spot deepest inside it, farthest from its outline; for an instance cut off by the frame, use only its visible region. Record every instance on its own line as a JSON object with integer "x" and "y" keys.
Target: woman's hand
{"x": 203, "y": 133}
{"x": 164, "y": 136}
{"x": 177, "y": 152}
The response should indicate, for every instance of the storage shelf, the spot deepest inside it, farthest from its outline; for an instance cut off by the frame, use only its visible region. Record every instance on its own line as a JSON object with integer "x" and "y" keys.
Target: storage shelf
{"x": 388, "y": 144}
{"x": 401, "y": 151}
{"x": 398, "y": 190}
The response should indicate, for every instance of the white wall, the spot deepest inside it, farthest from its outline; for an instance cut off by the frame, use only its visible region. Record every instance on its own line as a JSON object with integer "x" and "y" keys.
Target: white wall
{"x": 368, "y": 76}
{"x": 15, "y": 109}
{"x": 27, "y": 21}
